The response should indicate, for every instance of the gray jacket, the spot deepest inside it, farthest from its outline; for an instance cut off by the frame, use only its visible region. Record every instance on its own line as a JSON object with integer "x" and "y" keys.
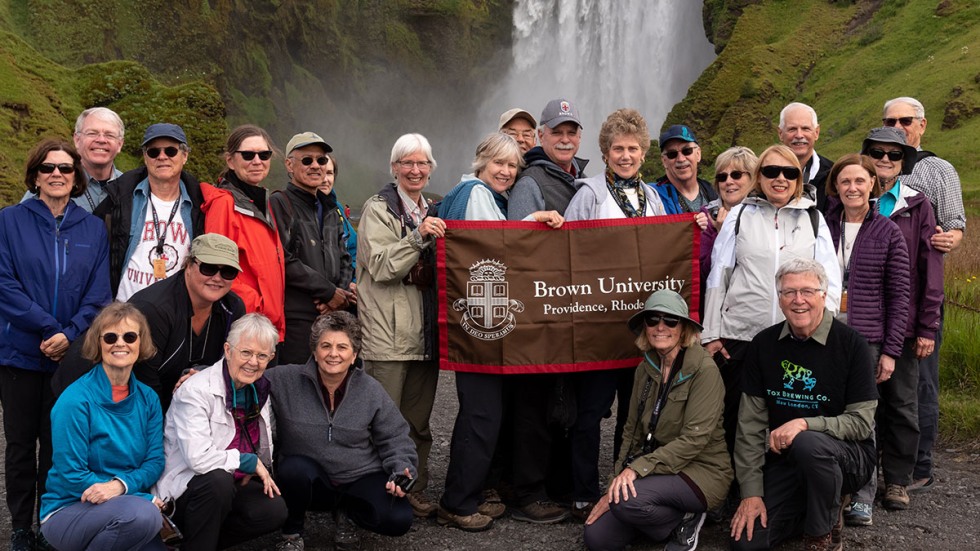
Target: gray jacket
{"x": 365, "y": 435}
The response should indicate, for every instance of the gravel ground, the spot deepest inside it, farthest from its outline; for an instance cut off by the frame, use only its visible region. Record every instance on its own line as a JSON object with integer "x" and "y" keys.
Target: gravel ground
{"x": 945, "y": 518}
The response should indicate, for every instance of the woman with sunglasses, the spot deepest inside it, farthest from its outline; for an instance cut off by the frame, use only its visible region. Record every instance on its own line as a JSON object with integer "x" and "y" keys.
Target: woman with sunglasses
{"x": 108, "y": 445}
{"x": 898, "y": 415}
{"x": 54, "y": 278}
{"x": 218, "y": 445}
{"x": 773, "y": 224}
{"x": 733, "y": 182}
{"x": 238, "y": 208}
{"x": 673, "y": 465}
{"x": 396, "y": 291}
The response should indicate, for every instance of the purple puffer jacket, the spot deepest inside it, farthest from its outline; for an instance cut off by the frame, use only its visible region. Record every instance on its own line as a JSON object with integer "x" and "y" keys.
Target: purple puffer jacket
{"x": 878, "y": 285}
{"x": 918, "y": 225}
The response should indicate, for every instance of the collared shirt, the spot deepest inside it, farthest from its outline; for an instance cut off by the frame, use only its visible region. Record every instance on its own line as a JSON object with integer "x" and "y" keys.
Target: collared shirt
{"x": 819, "y": 335}
{"x": 888, "y": 200}
{"x": 939, "y": 182}
{"x": 416, "y": 210}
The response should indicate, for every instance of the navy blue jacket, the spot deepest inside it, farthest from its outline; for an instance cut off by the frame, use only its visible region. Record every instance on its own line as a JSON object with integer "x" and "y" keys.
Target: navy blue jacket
{"x": 53, "y": 279}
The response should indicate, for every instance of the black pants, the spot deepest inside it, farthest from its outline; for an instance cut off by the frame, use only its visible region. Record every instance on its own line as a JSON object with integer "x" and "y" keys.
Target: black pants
{"x": 928, "y": 402}
{"x": 803, "y": 490}
{"x": 27, "y": 401}
{"x": 731, "y": 374}
{"x": 474, "y": 440}
{"x": 305, "y": 486}
{"x": 898, "y": 418}
{"x": 594, "y": 392}
{"x": 215, "y": 512}
{"x": 532, "y": 436}
{"x": 624, "y": 391}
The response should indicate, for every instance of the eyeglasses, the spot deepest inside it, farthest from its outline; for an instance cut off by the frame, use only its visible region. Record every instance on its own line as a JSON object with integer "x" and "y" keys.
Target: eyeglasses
{"x": 321, "y": 160}
{"x": 246, "y": 355}
{"x": 48, "y": 168}
{"x": 526, "y": 134}
{"x": 905, "y": 121}
{"x": 735, "y": 174}
{"x": 154, "y": 152}
{"x": 128, "y": 337}
{"x": 249, "y": 155}
{"x": 673, "y": 153}
{"x": 772, "y": 171}
{"x": 893, "y": 155}
{"x": 409, "y": 165}
{"x": 653, "y": 320}
{"x": 805, "y": 292}
{"x": 228, "y": 273}
{"x": 95, "y": 134}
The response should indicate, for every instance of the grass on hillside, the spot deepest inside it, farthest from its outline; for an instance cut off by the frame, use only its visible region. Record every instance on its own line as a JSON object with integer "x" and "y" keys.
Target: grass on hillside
{"x": 959, "y": 371}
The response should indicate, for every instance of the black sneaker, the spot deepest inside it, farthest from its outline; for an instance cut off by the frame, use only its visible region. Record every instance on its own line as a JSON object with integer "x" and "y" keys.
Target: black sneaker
{"x": 42, "y": 544}
{"x": 345, "y": 536}
{"x": 687, "y": 532}
{"x": 22, "y": 539}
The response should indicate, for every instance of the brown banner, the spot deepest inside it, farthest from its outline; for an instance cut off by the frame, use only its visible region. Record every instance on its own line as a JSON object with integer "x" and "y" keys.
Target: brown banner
{"x": 519, "y": 297}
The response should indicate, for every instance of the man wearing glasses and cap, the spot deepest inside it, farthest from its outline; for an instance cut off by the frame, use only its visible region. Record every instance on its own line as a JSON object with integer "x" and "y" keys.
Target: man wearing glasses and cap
{"x": 189, "y": 315}
{"x": 319, "y": 269}
{"x": 519, "y": 124}
{"x": 680, "y": 188}
{"x": 152, "y": 213}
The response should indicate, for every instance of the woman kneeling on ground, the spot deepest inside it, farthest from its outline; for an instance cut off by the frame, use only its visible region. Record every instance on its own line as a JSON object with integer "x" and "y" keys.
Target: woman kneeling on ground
{"x": 218, "y": 442}
{"x": 673, "y": 465}
{"x": 343, "y": 445}
{"x": 107, "y": 432}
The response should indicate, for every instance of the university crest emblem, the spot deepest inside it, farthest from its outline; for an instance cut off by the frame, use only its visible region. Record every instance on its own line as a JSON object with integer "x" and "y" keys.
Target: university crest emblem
{"x": 488, "y": 310}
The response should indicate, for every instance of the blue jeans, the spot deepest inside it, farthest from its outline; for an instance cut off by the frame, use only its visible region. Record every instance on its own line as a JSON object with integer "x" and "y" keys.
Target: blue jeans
{"x": 123, "y": 523}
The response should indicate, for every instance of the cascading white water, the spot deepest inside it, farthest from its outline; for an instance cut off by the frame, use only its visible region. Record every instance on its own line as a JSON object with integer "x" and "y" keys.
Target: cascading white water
{"x": 603, "y": 55}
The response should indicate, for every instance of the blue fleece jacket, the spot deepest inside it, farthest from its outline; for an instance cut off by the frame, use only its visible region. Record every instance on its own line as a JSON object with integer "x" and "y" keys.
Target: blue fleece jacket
{"x": 96, "y": 440}
{"x": 54, "y": 278}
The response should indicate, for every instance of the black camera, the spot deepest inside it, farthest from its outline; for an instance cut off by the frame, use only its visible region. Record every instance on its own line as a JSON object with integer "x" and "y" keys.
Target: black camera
{"x": 405, "y": 482}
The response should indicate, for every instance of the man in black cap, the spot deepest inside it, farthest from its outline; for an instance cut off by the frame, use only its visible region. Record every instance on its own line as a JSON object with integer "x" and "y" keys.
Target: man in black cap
{"x": 152, "y": 213}
{"x": 548, "y": 182}
{"x": 318, "y": 267}
{"x": 680, "y": 188}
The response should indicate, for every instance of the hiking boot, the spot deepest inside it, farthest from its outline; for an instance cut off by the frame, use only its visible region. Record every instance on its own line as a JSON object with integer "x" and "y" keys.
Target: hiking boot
{"x": 22, "y": 539}
{"x": 291, "y": 542}
{"x": 476, "y": 522}
{"x": 921, "y": 484}
{"x": 687, "y": 532}
{"x": 41, "y": 544}
{"x": 859, "y": 515}
{"x": 896, "y": 498}
{"x": 541, "y": 512}
{"x": 491, "y": 509}
{"x": 422, "y": 506}
{"x": 821, "y": 543}
{"x": 581, "y": 510}
{"x": 345, "y": 537}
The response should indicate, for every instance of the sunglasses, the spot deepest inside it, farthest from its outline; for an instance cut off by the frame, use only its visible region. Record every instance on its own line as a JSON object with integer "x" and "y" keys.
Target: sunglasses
{"x": 905, "y": 121}
{"x": 772, "y": 171}
{"x": 321, "y": 160}
{"x": 48, "y": 168}
{"x": 208, "y": 270}
{"x": 893, "y": 155}
{"x": 673, "y": 153}
{"x": 154, "y": 152}
{"x": 128, "y": 337}
{"x": 735, "y": 174}
{"x": 653, "y": 320}
{"x": 249, "y": 155}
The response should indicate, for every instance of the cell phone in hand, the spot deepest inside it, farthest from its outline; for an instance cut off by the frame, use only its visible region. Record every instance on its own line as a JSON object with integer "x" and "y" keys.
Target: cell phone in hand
{"x": 405, "y": 482}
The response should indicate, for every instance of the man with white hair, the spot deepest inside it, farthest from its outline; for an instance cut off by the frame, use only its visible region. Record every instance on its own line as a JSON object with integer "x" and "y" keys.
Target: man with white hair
{"x": 938, "y": 181}
{"x": 98, "y": 138}
{"x": 799, "y": 131}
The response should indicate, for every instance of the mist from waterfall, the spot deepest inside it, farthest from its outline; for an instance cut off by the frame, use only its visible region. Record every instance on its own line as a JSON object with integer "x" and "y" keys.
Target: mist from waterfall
{"x": 602, "y": 55}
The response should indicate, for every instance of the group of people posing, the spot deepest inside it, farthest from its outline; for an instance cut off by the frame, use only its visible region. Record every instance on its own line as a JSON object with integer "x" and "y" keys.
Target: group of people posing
{"x": 237, "y": 309}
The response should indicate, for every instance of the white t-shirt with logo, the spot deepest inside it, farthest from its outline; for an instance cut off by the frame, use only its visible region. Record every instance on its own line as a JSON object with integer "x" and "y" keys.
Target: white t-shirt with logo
{"x": 138, "y": 274}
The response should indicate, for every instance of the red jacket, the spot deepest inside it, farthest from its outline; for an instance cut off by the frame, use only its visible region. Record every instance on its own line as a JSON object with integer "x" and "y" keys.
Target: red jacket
{"x": 262, "y": 282}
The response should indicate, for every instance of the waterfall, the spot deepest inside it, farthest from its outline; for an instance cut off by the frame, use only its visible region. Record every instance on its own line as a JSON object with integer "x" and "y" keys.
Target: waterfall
{"x": 603, "y": 55}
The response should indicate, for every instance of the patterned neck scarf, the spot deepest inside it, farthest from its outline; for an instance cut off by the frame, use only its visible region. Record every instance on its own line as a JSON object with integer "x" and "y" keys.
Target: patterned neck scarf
{"x": 618, "y": 186}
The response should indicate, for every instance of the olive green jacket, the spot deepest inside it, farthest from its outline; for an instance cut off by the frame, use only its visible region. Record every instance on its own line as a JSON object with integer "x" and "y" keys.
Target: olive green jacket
{"x": 690, "y": 433}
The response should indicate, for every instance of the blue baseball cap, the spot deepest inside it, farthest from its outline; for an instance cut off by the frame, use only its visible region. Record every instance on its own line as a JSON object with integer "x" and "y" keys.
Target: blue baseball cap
{"x": 677, "y": 132}
{"x": 163, "y": 130}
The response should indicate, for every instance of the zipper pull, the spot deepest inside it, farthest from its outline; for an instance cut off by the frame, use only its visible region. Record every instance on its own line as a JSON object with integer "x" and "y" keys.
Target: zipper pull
{"x": 330, "y": 432}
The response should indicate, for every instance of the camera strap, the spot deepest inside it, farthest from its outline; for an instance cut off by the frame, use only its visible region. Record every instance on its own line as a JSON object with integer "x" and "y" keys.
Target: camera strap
{"x": 661, "y": 398}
